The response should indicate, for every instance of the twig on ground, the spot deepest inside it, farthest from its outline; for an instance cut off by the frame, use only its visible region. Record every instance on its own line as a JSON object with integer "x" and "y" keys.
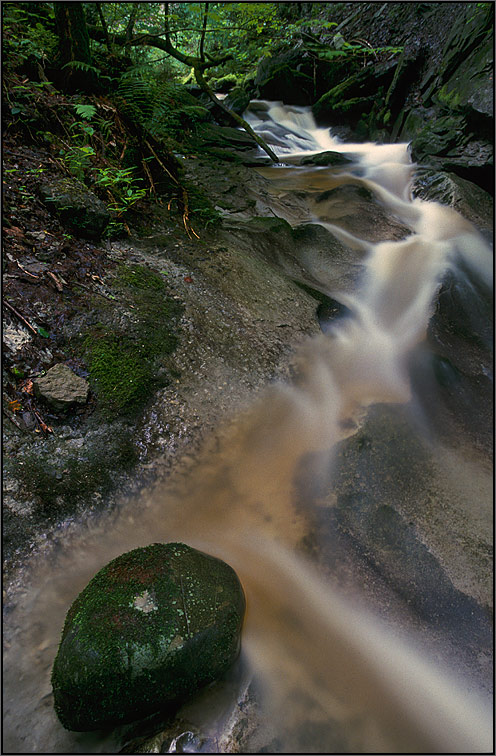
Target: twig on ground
{"x": 21, "y": 317}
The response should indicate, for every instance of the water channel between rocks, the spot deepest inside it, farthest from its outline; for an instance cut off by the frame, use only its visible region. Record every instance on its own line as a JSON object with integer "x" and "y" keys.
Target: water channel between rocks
{"x": 358, "y": 534}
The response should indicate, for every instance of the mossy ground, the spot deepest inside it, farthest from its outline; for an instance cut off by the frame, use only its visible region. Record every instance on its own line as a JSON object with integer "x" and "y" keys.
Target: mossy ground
{"x": 60, "y": 484}
{"x": 125, "y": 367}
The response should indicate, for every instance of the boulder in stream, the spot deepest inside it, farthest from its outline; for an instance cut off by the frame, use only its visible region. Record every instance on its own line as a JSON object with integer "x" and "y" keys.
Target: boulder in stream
{"x": 326, "y": 158}
{"x": 467, "y": 198}
{"x": 150, "y": 629}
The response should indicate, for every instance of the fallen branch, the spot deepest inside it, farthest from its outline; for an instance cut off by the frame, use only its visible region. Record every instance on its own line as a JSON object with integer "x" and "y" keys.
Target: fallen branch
{"x": 44, "y": 427}
{"x": 31, "y": 275}
{"x": 21, "y": 317}
{"x": 57, "y": 282}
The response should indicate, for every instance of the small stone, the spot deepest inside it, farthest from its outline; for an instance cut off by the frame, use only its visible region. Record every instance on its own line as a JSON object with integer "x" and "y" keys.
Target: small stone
{"x": 29, "y": 420}
{"x": 61, "y": 387}
{"x": 37, "y": 236}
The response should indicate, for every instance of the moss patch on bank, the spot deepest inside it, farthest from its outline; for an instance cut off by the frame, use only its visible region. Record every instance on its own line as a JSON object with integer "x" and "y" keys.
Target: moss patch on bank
{"x": 60, "y": 478}
{"x": 126, "y": 362}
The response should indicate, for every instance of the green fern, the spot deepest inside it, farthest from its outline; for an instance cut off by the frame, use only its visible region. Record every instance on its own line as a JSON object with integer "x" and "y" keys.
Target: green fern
{"x": 136, "y": 97}
{"x": 85, "y": 111}
{"x": 81, "y": 66}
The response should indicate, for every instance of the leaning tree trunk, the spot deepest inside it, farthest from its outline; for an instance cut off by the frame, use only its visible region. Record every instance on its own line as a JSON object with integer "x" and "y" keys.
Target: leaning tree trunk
{"x": 73, "y": 48}
{"x": 202, "y": 82}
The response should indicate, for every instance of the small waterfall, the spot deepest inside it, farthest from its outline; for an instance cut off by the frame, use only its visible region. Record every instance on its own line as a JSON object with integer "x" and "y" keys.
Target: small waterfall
{"x": 335, "y": 676}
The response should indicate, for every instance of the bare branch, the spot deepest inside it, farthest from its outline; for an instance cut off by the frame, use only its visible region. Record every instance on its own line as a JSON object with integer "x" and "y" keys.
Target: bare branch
{"x": 104, "y": 28}
{"x": 204, "y": 29}
{"x": 131, "y": 22}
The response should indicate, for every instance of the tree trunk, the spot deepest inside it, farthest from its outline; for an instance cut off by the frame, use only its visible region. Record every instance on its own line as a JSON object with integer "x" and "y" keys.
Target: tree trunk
{"x": 233, "y": 116}
{"x": 74, "y": 45}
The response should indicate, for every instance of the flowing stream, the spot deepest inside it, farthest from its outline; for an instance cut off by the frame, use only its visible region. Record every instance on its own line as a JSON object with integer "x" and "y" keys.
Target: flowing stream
{"x": 335, "y": 672}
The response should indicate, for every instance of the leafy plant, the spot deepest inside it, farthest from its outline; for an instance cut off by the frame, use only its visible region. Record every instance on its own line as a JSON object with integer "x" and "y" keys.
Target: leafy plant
{"x": 82, "y": 66}
{"x": 85, "y": 111}
{"x": 26, "y": 34}
{"x": 123, "y": 187}
{"x": 78, "y": 157}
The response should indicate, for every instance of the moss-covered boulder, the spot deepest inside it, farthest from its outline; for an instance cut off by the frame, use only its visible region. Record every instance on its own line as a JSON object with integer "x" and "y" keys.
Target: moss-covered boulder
{"x": 326, "y": 158}
{"x": 446, "y": 143}
{"x": 76, "y": 207}
{"x": 238, "y": 99}
{"x": 358, "y": 98}
{"x": 150, "y": 629}
{"x": 286, "y": 76}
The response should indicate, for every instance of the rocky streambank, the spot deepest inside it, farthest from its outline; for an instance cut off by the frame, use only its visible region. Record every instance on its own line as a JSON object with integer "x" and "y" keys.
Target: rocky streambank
{"x": 201, "y": 324}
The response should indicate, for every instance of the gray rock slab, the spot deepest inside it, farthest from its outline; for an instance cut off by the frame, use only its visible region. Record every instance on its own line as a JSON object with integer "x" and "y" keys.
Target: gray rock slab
{"x": 61, "y": 387}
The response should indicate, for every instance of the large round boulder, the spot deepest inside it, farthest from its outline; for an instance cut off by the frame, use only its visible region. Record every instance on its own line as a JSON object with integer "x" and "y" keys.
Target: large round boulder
{"x": 150, "y": 629}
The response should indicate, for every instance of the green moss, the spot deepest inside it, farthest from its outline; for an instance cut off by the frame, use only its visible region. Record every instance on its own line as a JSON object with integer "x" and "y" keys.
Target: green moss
{"x": 450, "y": 99}
{"x": 120, "y": 372}
{"x": 140, "y": 277}
{"x": 229, "y": 80}
{"x": 152, "y": 627}
{"x": 125, "y": 367}
{"x": 60, "y": 485}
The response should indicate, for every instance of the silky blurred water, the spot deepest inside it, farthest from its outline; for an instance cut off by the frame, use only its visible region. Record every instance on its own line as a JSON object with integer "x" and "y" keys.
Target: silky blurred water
{"x": 334, "y": 675}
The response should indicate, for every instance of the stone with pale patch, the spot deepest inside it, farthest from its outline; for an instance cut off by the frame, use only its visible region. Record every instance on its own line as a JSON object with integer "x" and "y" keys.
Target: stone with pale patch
{"x": 151, "y": 628}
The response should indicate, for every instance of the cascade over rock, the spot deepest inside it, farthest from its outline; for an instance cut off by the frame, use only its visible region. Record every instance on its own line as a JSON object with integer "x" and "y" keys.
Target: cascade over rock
{"x": 360, "y": 463}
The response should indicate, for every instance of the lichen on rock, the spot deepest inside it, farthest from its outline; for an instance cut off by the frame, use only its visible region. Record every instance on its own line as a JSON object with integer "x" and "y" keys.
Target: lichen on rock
{"x": 150, "y": 629}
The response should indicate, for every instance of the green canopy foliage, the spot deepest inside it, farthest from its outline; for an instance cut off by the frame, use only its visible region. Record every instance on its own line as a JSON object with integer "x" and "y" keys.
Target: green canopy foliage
{"x": 239, "y": 33}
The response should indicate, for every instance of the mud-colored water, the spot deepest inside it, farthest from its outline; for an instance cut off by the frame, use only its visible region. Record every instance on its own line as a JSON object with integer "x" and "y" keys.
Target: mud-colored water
{"x": 335, "y": 674}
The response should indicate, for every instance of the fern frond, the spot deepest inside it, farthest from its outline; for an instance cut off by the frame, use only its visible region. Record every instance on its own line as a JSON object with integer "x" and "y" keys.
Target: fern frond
{"x": 82, "y": 66}
{"x": 85, "y": 111}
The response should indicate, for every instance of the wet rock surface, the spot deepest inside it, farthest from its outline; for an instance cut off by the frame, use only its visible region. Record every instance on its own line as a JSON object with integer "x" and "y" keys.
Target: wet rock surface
{"x": 326, "y": 158}
{"x": 467, "y": 198}
{"x": 241, "y": 312}
{"x": 355, "y": 209}
{"x": 383, "y": 522}
{"x": 150, "y": 629}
